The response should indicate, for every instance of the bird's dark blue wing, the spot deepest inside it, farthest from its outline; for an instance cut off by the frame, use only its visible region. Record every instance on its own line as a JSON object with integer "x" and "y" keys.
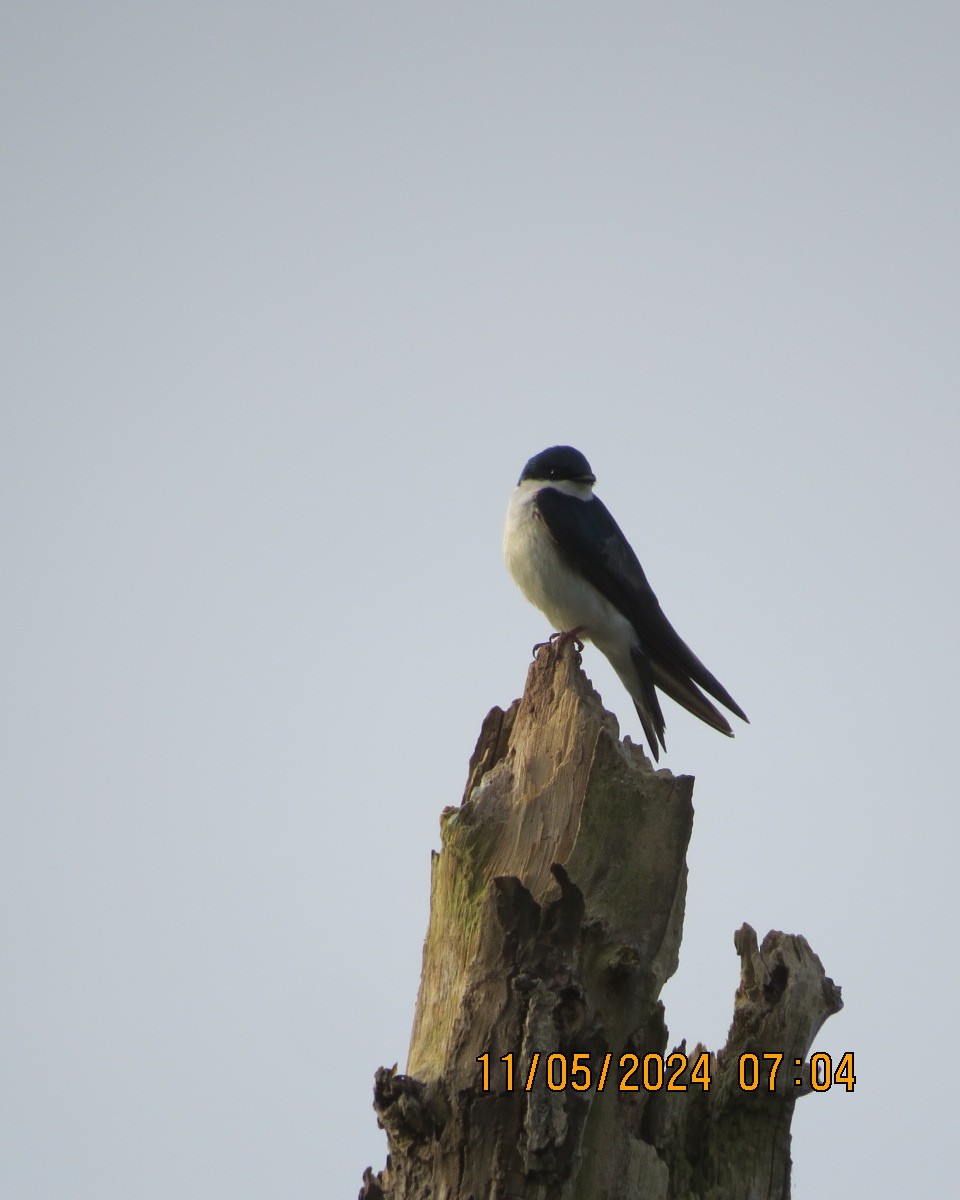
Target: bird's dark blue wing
{"x": 591, "y": 541}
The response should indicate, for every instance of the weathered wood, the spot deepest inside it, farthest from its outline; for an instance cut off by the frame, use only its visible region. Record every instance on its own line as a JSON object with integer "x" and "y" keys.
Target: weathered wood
{"x": 556, "y": 916}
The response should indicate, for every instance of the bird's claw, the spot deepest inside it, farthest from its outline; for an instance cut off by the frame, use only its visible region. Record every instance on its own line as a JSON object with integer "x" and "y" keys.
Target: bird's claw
{"x": 557, "y": 641}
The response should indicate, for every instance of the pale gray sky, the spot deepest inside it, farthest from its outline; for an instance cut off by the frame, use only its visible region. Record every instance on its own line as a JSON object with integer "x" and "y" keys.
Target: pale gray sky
{"x": 290, "y": 293}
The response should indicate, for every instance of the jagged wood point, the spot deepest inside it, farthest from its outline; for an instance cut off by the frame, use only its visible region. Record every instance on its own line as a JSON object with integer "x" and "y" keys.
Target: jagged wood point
{"x": 556, "y": 917}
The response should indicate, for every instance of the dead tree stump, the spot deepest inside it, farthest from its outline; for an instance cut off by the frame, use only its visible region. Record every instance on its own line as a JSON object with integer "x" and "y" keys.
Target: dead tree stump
{"x": 556, "y": 917}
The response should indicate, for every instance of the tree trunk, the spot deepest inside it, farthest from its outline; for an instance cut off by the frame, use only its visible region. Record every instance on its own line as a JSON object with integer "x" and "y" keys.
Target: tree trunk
{"x": 538, "y": 1063}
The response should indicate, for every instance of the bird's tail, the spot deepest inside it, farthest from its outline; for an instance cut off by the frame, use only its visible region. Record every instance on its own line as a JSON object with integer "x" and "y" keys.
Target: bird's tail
{"x": 646, "y": 702}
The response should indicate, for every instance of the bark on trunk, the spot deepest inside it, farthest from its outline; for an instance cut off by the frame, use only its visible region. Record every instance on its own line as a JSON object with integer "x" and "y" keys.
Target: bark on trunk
{"x": 556, "y": 917}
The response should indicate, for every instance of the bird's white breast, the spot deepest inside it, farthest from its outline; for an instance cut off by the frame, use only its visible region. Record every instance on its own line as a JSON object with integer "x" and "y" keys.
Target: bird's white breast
{"x": 562, "y": 594}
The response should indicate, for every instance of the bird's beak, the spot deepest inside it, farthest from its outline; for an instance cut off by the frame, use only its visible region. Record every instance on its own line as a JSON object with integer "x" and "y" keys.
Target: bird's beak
{"x": 586, "y": 479}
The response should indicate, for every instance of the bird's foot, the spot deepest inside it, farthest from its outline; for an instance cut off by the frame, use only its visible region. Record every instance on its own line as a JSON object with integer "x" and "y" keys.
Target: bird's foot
{"x": 558, "y": 640}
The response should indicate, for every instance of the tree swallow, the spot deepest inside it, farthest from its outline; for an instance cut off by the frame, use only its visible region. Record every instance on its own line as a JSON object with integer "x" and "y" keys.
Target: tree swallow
{"x": 570, "y": 559}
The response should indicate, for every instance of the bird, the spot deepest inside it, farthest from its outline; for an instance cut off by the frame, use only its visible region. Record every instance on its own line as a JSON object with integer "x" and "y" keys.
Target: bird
{"x": 571, "y": 560}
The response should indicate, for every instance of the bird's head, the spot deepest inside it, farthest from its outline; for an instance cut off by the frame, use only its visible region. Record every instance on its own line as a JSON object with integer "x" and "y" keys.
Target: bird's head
{"x": 556, "y": 464}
